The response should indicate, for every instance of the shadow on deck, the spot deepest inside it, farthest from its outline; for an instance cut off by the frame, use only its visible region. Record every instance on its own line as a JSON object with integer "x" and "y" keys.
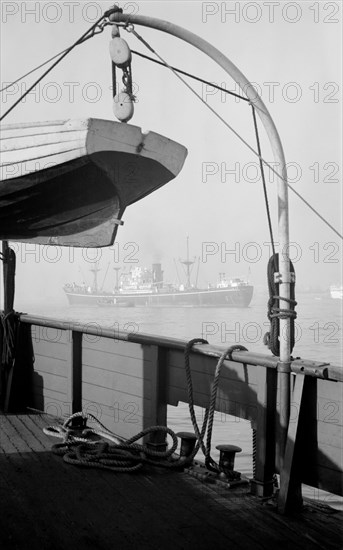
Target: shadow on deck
{"x": 49, "y": 504}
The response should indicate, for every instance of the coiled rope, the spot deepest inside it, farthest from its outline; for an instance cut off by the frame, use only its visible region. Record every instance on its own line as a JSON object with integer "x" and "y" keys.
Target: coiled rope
{"x": 83, "y": 445}
{"x": 275, "y": 313}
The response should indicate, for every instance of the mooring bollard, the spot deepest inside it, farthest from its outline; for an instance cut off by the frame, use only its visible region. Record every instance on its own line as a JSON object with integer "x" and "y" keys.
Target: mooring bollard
{"x": 227, "y": 456}
{"x": 188, "y": 441}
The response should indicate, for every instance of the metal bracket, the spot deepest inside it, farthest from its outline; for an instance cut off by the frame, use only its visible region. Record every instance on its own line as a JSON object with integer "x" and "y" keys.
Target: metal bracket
{"x": 317, "y": 369}
{"x": 281, "y": 278}
{"x": 284, "y": 366}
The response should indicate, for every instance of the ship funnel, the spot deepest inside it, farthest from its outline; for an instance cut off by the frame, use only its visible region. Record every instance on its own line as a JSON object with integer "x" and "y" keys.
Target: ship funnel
{"x": 157, "y": 275}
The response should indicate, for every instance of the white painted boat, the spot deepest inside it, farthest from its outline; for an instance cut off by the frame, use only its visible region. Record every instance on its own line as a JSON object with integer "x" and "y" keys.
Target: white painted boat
{"x": 68, "y": 182}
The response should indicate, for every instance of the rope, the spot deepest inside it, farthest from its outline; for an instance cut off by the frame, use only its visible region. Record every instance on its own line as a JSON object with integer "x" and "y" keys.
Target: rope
{"x": 254, "y": 451}
{"x": 209, "y": 414}
{"x": 225, "y": 355}
{"x": 9, "y": 326}
{"x": 84, "y": 447}
{"x": 275, "y": 313}
{"x": 9, "y": 333}
{"x": 200, "y": 434}
{"x": 68, "y": 432}
{"x": 197, "y": 78}
{"x": 130, "y": 28}
{"x": 91, "y": 32}
{"x": 32, "y": 71}
{"x": 263, "y": 179}
{"x": 95, "y": 32}
{"x": 257, "y": 153}
{"x": 313, "y": 209}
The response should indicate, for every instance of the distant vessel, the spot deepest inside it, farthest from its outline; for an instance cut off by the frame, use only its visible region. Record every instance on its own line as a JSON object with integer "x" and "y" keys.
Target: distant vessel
{"x": 146, "y": 287}
{"x": 336, "y": 292}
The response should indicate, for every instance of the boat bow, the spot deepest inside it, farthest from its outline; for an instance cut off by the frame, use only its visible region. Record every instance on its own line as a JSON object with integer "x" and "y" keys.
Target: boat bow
{"x": 68, "y": 182}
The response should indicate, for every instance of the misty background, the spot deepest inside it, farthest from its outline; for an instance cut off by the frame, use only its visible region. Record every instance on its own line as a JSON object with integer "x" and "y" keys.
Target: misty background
{"x": 292, "y": 56}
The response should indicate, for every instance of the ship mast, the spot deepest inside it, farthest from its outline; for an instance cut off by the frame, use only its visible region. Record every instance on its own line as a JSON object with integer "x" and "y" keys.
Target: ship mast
{"x": 117, "y": 269}
{"x": 188, "y": 263}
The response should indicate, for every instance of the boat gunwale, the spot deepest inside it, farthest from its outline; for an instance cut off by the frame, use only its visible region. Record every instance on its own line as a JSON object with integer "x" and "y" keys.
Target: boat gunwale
{"x": 306, "y": 367}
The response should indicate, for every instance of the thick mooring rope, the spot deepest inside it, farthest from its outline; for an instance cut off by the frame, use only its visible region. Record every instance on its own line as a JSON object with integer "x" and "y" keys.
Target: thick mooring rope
{"x": 83, "y": 447}
{"x": 209, "y": 414}
{"x": 275, "y": 313}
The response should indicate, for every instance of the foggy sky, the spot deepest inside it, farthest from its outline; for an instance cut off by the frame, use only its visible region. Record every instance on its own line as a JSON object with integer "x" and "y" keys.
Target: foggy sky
{"x": 293, "y": 57}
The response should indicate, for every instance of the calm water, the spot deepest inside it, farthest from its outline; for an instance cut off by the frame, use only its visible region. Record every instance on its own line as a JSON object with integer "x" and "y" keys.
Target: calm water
{"x": 318, "y": 327}
{"x": 318, "y": 337}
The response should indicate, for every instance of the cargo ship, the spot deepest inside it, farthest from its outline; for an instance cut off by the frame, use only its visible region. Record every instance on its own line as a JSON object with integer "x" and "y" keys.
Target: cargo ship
{"x": 145, "y": 287}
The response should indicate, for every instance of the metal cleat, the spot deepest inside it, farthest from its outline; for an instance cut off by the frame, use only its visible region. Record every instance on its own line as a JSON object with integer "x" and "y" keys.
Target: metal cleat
{"x": 188, "y": 441}
{"x": 227, "y": 458}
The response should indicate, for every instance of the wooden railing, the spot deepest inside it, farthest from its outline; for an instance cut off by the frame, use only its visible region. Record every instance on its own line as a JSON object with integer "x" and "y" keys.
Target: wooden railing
{"x": 128, "y": 379}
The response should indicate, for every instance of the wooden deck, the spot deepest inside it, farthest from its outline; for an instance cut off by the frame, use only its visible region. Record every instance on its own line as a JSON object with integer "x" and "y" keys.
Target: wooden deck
{"x": 46, "y": 503}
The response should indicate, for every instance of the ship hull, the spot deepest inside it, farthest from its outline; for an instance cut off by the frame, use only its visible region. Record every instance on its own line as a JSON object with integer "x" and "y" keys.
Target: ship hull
{"x": 221, "y": 297}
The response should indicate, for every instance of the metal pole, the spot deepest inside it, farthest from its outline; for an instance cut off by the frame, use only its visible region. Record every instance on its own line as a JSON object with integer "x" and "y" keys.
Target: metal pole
{"x": 114, "y": 79}
{"x": 9, "y": 262}
{"x": 4, "y": 271}
{"x": 117, "y": 269}
{"x": 275, "y": 142}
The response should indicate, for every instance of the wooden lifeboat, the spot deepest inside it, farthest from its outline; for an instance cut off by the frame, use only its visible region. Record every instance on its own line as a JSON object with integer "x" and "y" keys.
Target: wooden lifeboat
{"x": 68, "y": 182}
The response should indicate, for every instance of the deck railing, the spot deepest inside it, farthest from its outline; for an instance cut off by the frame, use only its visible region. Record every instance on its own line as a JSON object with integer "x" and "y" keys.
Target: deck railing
{"x": 128, "y": 379}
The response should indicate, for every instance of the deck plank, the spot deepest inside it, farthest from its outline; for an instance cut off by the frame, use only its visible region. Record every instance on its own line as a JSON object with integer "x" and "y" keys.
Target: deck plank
{"x": 49, "y": 504}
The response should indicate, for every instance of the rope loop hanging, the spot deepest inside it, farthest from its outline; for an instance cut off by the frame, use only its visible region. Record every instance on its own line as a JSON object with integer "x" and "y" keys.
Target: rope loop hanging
{"x": 209, "y": 412}
{"x": 275, "y": 313}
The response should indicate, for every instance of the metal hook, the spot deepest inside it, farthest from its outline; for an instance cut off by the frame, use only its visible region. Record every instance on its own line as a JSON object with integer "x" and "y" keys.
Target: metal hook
{"x": 129, "y": 27}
